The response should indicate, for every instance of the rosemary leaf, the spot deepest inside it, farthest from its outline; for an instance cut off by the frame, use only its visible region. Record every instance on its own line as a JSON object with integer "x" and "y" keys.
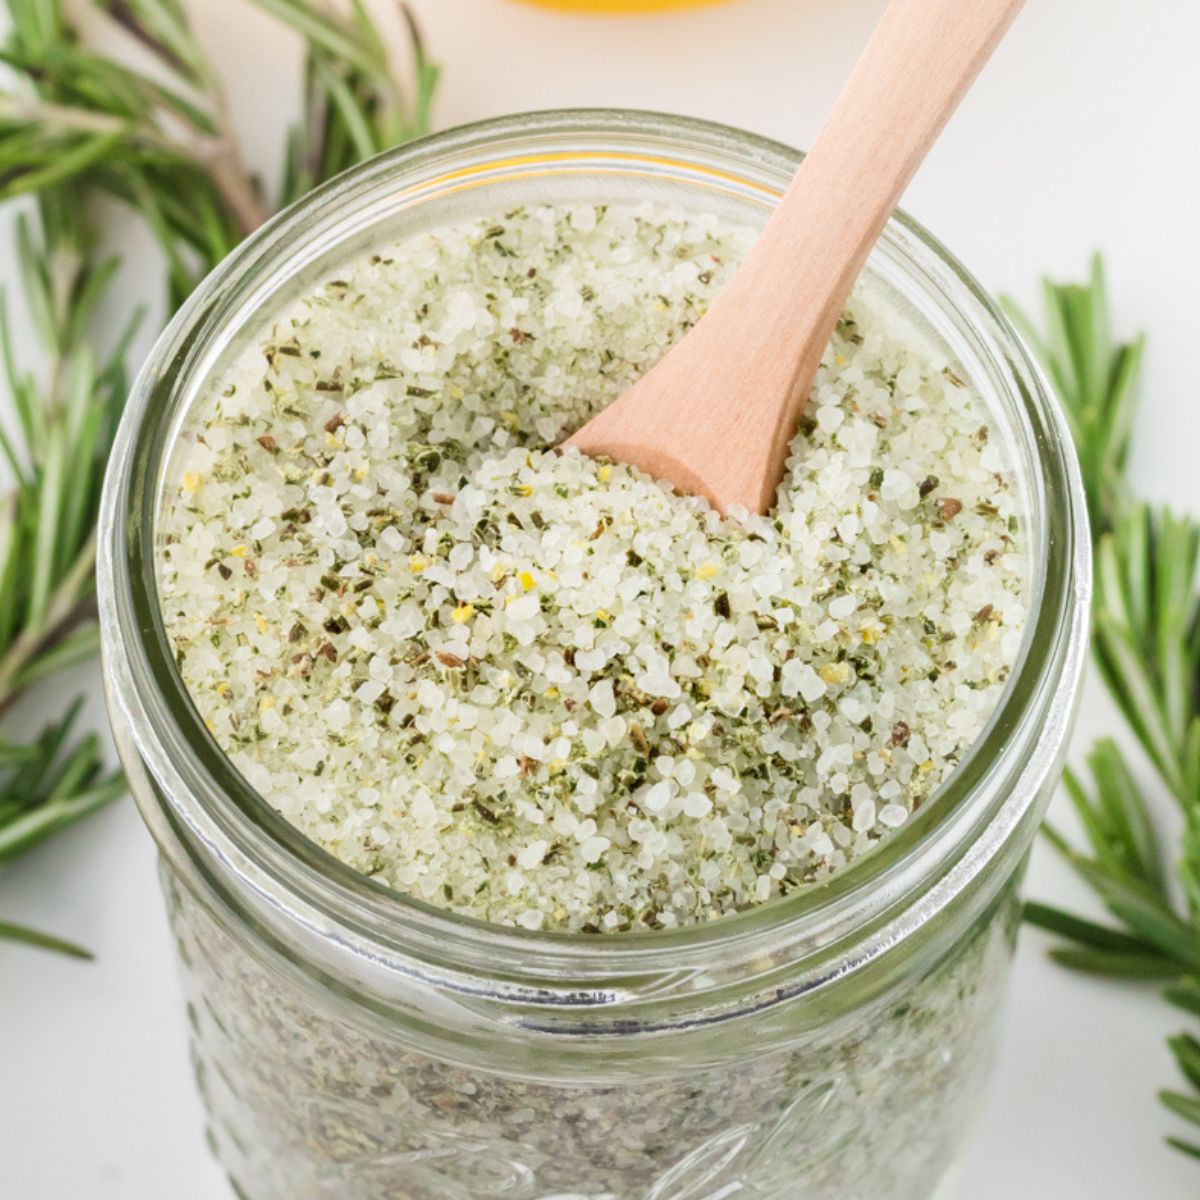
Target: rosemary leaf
{"x": 1087, "y": 933}
{"x": 1187, "y": 1054}
{"x": 43, "y": 941}
{"x": 1187, "y": 1107}
{"x": 1183, "y": 1147}
{"x": 1185, "y": 994}
{"x": 1115, "y": 964}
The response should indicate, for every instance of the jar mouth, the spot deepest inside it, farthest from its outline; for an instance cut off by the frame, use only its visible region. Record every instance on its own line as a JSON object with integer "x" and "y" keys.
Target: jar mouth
{"x": 266, "y": 865}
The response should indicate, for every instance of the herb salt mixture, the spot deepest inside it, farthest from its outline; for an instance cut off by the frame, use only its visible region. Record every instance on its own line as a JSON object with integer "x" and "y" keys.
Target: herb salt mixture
{"x": 544, "y": 690}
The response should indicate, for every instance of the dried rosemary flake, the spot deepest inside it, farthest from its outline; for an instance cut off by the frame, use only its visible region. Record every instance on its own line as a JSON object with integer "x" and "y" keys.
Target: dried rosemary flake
{"x": 657, "y": 714}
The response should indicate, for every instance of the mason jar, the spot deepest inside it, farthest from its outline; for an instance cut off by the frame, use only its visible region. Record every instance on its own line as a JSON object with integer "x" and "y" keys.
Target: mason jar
{"x": 352, "y": 1043}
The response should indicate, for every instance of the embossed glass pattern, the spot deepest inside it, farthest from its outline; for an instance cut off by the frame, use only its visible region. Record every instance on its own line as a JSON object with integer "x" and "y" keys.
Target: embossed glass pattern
{"x": 354, "y": 1044}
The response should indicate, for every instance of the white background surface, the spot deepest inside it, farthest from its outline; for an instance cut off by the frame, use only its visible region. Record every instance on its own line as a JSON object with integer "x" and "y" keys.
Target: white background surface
{"x": 1079, "y": 136}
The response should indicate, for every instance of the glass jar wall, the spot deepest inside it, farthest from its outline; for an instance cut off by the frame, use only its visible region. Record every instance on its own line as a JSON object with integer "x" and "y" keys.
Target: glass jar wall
{"x": 352, "y": 1043}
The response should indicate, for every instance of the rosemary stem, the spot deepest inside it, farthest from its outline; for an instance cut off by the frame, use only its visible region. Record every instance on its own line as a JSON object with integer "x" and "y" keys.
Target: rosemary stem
{"x": 238, "y": 189}
{"x": 33, "y": 109}
{"x": 233, "y": 180}
{"x": 63, "y": 611}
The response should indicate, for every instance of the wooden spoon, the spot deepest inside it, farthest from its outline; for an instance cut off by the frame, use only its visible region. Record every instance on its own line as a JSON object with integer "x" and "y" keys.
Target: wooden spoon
{"x": 714, "y": 417}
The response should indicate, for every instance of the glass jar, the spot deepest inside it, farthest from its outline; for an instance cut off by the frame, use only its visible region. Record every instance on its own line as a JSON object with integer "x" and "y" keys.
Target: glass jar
{"x": 354, "y": 1044}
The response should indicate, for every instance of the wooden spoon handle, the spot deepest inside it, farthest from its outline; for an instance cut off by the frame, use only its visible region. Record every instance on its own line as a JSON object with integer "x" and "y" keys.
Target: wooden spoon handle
{"x": 784, "y": 301}
{"x": 917, "y": 67}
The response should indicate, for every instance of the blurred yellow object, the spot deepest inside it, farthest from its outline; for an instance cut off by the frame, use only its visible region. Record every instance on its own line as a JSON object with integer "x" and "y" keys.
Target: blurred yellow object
{"x": 622, "y": 6}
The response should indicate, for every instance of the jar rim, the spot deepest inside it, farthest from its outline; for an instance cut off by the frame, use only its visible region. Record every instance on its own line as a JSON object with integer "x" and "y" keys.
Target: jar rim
{"x": 287, "y": 882}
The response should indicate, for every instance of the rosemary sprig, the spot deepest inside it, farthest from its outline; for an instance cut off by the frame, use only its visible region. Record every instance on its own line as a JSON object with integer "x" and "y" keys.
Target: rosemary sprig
{"x": 49, "y": 784}
{"x": 166, "y": 144}
{"x": 1096, "y": 379}
{"x": 163, "y": 144}
{"x": 1146, "y": 640}
{"x": 46, "y": 785}
{"x": 55, "y": 448}
{"x": 57, "y": 451}
{"x": 354, "y": 107}
{"x": 76, "y": 124}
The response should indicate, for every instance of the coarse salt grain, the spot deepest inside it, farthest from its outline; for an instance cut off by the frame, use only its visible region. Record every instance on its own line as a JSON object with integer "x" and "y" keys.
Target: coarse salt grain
{"x": 552, "y": 661}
